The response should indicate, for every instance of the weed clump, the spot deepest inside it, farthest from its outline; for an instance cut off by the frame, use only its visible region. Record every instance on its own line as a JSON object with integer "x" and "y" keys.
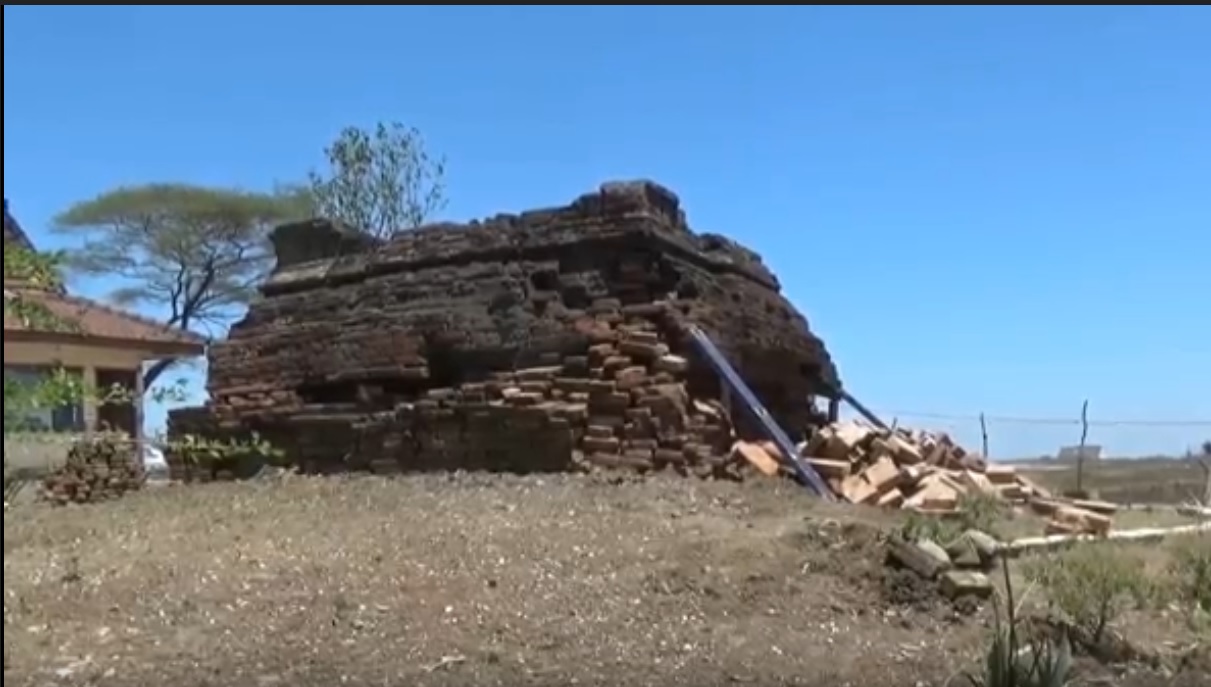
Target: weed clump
{"x": 1190, "y": 577}
{"x": 1092, "y": 585}
{"x": 1015, "y": 660}
{"x": 975, "y": 511}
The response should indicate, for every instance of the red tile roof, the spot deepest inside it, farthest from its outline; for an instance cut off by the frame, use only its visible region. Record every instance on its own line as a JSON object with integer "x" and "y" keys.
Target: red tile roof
{"x": 87, "y": 318}
{"x": 90, "y": 318}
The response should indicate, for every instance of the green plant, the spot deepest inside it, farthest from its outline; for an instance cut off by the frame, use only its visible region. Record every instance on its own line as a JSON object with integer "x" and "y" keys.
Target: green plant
{"x": 211, "y": 456}
{"x": 918, "y": 526}
{"x": 379, "y": 181}
{"x": 1191, "y": 573}
{"x": 982, "y": 511}
{"x": 976, "y": 511}
{"x": 1012, "y": 660}
{"x": 1092, "y": 585}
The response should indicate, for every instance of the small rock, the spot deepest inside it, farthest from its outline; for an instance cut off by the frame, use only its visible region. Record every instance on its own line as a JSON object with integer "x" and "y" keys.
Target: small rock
{"x": 959, "y": 583}
{"x": 925, "y": 557}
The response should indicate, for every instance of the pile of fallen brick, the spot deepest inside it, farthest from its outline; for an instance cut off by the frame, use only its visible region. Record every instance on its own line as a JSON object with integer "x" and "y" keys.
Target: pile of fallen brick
{"x": 97, "y": 468}
{"x": 925, "y": 472}
{"x": 960, "y": 567}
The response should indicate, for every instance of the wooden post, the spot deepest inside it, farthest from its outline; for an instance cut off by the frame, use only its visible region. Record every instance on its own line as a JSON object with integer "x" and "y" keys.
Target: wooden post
{"x": 88, "y": 404}
{"x": 1204, "y": 462}
{"x": 984, "y": 435}
{"x": 137, "y": 400}
{"x": 1080, "y": 452}
{"x": 834, "y": 409}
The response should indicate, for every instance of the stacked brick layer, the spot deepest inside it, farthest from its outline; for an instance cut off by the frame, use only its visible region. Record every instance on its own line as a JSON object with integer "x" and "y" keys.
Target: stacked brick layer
{"x": 507, "y": 344}
{"x": 97, "y": 468}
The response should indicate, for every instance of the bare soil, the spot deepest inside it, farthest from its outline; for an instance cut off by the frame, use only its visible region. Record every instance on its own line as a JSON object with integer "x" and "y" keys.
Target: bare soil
{"x": 480, "y": 580}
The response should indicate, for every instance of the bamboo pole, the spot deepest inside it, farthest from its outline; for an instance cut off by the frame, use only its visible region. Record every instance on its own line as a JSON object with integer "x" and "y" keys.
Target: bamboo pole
{"x": 1055, "y": 541}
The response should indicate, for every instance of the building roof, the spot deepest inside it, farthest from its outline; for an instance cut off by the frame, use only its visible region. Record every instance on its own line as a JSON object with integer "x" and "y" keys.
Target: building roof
{"x": 89, "y": 318}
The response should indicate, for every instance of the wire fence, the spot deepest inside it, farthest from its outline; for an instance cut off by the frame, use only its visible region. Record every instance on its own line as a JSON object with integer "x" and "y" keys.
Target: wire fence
{"x": 1023, "y": 437}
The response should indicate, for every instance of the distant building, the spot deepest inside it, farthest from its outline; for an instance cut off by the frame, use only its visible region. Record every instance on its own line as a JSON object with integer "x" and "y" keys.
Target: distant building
{"x": 1089, "y": 452}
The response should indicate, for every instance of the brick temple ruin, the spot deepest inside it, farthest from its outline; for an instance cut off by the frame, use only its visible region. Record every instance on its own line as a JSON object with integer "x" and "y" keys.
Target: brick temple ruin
{"x": 545, "y": 341}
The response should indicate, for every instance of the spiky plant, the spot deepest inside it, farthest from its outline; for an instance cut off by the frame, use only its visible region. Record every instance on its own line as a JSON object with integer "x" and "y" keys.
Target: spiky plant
{"x": 1015, "y": 661}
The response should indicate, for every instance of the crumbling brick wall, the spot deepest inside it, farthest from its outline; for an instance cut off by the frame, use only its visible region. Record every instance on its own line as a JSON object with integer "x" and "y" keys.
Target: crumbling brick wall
{"x": 523, "y": 342}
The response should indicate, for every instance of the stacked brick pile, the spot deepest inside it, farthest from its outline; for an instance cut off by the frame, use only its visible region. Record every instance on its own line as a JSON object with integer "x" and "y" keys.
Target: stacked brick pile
{"x": 623, "y": 404}
{"x": 929, "y": 473}
{"x": 97, "y": 468}
{"x": 1075, "y": 516}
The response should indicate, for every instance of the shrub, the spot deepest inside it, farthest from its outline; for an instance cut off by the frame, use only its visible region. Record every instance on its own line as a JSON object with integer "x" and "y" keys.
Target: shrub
{"x": 981, "y": 511}
{"x": 976, "y": 511}
{"x": 1012, "y": 660}
{"x": 1092, "y": 585}
{"x": 1190, "y": 571}
{"x": 208, "y": 457}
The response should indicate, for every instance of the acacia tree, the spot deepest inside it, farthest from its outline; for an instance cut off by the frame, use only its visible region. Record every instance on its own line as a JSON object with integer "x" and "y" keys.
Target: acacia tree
{"x": 379, "y": 182}
{"x": 196, "y": 251}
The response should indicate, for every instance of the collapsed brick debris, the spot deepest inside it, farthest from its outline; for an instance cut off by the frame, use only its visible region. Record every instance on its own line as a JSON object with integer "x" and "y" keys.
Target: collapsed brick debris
{"x": 960, "y": 567}
{"x": 907, "y": 468}
{"x": 97, "y": 468}
{"x": 545, "y": 341}
{"x": 929, "y": 473}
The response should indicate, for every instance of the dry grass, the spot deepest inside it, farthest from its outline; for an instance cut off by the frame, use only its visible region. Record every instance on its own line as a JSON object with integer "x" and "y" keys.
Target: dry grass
{"x": 464, "y": 580}
{"x": 1145, "y": 480}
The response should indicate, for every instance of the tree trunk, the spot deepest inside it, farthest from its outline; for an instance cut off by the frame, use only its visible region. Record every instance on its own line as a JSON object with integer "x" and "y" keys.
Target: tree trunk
{"x": 153, "y": 373}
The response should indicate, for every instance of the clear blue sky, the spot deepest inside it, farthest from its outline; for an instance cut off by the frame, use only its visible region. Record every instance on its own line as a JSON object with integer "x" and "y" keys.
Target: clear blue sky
{"x": 987, "y": 209}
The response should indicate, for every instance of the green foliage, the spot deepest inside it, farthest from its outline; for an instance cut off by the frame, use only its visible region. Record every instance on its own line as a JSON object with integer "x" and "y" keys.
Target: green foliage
{"x": 199, "y": 252}
{"x": 61, "y": 387}
{"x": 26, "y": 269}
{"x": 983, "y": 511}
{"x": 39, "y": 270}
{"x": 379, "y": 182}
{"x": 975, "y": 510}
{"x": 215, "y": 455}
{"x": 1191, "y": 572}
{"x": 1092, "y": 585}
{"x": 34, "y": 270}
{"x": 1012, "y": 660}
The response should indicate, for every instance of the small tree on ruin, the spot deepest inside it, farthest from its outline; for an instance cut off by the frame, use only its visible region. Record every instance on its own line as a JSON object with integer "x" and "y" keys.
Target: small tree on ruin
{"x": 379, "y": 182}
{"x": 195, "y": 251}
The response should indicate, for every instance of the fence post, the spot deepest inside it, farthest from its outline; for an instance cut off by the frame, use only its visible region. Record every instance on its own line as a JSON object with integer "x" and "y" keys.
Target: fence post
{"x": 984, "y": 435}
{"x": 1080, "y": 451}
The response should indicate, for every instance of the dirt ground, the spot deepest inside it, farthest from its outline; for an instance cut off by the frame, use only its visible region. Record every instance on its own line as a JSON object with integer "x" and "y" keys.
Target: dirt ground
{"x": 479, "y": 580}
